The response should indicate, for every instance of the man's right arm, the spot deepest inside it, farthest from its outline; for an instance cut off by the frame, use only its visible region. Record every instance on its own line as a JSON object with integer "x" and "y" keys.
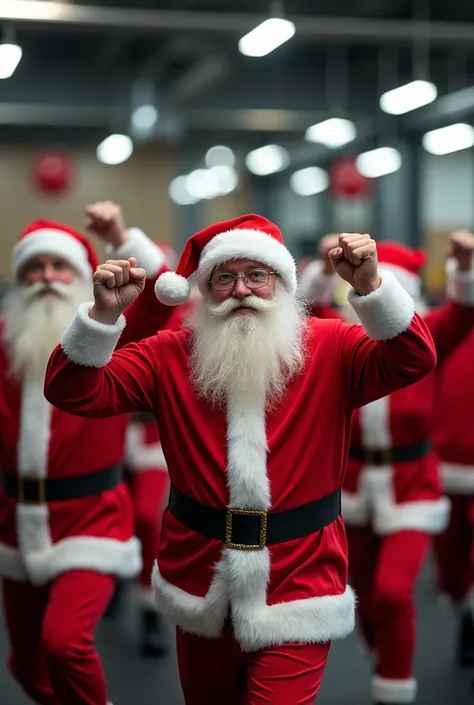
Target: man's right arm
{"x": 85, "y": 377}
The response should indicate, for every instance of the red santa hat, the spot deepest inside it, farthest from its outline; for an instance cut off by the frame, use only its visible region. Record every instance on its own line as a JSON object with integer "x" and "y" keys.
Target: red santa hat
{"x": 246, "y": 237}
{"x": 404, "y": 262}
{"x": 46, "y": 237}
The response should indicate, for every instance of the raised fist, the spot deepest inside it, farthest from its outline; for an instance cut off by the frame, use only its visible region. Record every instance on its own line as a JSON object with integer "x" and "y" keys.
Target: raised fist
{"x": 355, "y": 261}
{"x": 117, "y": 283}
{"x": 326, "y": 244}
{"x": 461, "y": 247}
{"x": 105, "y": 219}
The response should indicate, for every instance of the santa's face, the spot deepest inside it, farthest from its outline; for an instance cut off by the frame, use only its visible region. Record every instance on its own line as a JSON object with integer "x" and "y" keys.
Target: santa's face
{"x": 239, "y": 279}
{"x": 47, "y": 269}
{"x": 38, "y": 309}
{"x": 247, "y": 334}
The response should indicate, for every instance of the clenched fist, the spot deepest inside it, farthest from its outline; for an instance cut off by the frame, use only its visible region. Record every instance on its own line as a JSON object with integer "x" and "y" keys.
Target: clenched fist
{"x": 105, "y": 219}
{"x": 355, "y": 260}
{"x": 117, "y": 284}
{"x": 461, "y": 248}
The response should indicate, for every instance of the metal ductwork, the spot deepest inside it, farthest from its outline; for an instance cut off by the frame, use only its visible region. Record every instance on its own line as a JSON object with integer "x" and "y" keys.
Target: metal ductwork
{"x": 39, "y": 14}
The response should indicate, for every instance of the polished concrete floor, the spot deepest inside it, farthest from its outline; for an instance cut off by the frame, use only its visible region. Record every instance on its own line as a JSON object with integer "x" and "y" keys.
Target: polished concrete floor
{"x": 135, "y": 681}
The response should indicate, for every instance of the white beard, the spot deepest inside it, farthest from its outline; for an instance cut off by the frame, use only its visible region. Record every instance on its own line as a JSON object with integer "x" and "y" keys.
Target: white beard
{"x": 249, "y": 354}
{"x": 35, "y": 323}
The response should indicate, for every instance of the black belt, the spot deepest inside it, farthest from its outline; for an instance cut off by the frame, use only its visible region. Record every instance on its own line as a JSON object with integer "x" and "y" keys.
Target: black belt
{"x": 33, "y": 490}
{"x": 253, "y": 529}
{"x": 389, "y": 456}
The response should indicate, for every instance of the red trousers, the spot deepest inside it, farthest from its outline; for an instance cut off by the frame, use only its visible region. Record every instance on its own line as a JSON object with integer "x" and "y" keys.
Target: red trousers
{"x": 51, "y": 633}
{"x": 217, "y": 672}
{"x": 149, "y": 491}
{"x": 384, "y": 571}
{"x": 454, "y": 550}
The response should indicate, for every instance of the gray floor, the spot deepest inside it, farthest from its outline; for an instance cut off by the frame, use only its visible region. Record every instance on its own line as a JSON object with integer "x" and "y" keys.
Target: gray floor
{"x": 134, "y": 681}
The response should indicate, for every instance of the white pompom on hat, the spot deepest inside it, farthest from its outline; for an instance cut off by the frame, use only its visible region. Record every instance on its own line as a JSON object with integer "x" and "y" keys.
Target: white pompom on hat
{"x": 246, "y": 237}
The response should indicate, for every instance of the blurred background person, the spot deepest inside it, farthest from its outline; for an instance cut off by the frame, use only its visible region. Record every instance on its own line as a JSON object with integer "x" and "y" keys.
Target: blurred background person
{"x": 392, "y": 500}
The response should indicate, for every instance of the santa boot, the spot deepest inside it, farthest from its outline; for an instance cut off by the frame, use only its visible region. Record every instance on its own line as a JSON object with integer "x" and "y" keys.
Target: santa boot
{"x": 465, "y": 640}
{"x": 153, "y": 636}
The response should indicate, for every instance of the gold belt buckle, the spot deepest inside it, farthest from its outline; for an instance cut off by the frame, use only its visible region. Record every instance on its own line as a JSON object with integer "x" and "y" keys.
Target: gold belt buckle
{"x": 385, "y": 455}
{"x": 41, "y": 486}
{"x": 247, "y": 513}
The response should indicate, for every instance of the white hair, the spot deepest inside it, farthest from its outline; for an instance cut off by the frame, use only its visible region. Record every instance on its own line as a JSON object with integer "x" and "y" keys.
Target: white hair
{"x": 36, "y": 317}
{"x": 253, "y": 353}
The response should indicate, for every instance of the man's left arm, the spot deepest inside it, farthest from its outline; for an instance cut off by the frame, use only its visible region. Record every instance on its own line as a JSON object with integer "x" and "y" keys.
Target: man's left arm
{"x": 393, "y": 348}
{"x": 451, "y": 323}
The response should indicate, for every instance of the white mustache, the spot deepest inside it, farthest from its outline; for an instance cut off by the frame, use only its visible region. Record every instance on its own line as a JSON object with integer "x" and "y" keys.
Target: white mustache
{"x": 225, "y": 308}
{"x": 63, "y": 291}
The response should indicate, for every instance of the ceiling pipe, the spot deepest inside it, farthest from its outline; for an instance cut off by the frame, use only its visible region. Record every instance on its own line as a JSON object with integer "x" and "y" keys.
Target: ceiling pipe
{"x": 39, "y": 14}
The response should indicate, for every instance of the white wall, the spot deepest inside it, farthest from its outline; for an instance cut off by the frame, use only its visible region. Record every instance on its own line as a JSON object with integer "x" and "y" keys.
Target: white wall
{"x": 447, "y": 190}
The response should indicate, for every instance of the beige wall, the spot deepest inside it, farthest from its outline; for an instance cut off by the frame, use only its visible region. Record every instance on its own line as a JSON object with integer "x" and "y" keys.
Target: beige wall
{"x": 140, "y": 185}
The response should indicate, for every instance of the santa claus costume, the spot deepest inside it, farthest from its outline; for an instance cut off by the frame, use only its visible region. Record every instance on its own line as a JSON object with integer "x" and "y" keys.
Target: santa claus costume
{"x": 252, "y": 561}
{"x": 66, "y": 520}
{"x": 453, "y": 437}
{"x": 392, "y": 498}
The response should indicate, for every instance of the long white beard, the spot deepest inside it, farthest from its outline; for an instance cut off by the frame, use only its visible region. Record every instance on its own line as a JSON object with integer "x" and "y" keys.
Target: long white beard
{"x": 253, "y": 354}
{"x": 35, "y": 323}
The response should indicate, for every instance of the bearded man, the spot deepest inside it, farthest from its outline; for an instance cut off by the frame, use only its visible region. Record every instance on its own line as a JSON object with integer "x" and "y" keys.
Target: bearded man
{"x": 66, "y": 520}
{"x": 393, "y": 501}
{"x": 254, "y": 402}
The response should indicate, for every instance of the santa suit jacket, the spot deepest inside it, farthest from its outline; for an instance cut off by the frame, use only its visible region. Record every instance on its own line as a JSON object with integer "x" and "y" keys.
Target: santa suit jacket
{"x": 453, "y": 431}
{"x": 41, "y": 541}
{"x": 404, "y": 495}
{"x": 251, "y": 457}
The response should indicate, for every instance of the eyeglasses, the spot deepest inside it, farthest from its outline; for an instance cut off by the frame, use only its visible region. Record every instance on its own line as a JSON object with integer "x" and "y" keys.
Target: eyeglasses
{"x": 255, "y": 279}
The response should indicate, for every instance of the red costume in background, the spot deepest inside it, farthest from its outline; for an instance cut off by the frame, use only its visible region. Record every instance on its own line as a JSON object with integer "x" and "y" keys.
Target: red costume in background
{"x": 62, "y": 542}
{"x": 393, "y": 500}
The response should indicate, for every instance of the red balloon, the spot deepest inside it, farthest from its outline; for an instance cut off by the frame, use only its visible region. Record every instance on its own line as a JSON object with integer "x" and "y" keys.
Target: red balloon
{"x": 347, "y": 181}
{"x": 52, "y": 172}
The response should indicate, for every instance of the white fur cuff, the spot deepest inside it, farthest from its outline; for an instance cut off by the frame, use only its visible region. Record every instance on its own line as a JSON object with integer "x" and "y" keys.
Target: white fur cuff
{"x": 459, "y": 285}
{"x": 89, "y": 343}
{"x": 388, "y": 690}
{"x": 316, "y": 286}
{"x": 387, "y": 311}
{"x": 148, "y": 255}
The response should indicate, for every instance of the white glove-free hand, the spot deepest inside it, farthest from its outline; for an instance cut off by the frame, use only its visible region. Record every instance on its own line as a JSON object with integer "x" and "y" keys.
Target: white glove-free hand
{"x": 355, "y": 260}
{"x": 117, "y": 284}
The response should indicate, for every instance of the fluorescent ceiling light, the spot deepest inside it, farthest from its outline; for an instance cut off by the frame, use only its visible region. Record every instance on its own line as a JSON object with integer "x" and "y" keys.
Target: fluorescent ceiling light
{"x": 266, "y": 37}
{"x": 144, "y": 117}
{"x": 334, "y": 132}
{"x": 219, "y": 156}
{"x": 267, "y": 160}
{"x": 309, "y": 181}
{"x": 409, "y": 97}
{"x": 227, "y": 178}
{"x": 179, "y": 193}
{"x": 115, "y": 149}
{"x": 10, "y": 57}
{"x": 202, "y": 183}
{"x": 379, "y": 162}
{"x": 449, "y": 139}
